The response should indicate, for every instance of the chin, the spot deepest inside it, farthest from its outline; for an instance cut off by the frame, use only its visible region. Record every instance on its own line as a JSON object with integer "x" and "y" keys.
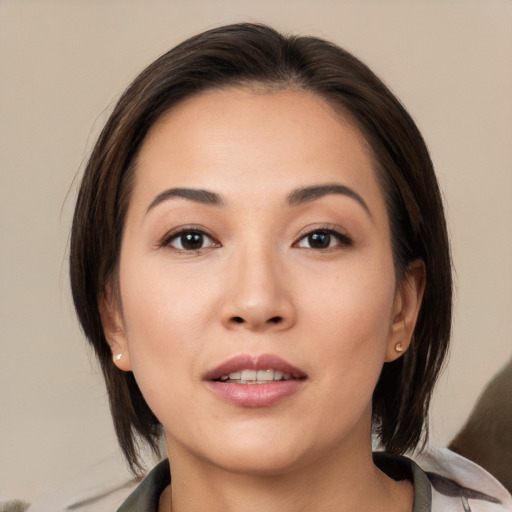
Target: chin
{"x": 260, "y": 461}
{"x": 252, "y": 453}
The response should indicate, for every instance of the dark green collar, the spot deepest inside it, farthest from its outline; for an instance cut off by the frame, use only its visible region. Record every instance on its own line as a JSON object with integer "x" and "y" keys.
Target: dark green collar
{"x": 399, "y": 467}
{"x": 146, "y": 496}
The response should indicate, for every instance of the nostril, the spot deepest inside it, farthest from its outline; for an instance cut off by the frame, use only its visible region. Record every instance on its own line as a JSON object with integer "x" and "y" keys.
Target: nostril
{"x": 273, "y": 320}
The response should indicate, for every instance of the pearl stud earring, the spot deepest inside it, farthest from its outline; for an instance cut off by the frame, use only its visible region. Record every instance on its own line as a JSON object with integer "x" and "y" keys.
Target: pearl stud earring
{"x": 118, "y": 357}
{"x": 399, "y": 347}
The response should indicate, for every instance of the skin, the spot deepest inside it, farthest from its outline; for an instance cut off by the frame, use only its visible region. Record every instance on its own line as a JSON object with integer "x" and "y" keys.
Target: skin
{"x": 339, "y": 310}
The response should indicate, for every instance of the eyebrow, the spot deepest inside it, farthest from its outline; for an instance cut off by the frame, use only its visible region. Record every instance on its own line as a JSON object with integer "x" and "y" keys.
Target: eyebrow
{"x": 295, "y": 198}
{"x": 192, "y": 194}
{"x": 308, "y": 194}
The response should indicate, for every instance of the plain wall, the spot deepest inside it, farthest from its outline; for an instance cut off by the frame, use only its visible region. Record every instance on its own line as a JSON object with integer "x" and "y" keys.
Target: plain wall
{"x": 64, "y": 63}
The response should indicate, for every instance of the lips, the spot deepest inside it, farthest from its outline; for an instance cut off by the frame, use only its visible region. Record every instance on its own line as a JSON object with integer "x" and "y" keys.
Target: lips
{"x": 255, "y": 381}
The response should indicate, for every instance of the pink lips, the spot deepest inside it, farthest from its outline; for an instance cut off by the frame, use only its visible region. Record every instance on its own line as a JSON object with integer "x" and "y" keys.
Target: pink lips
{"x": 254, "y": 395}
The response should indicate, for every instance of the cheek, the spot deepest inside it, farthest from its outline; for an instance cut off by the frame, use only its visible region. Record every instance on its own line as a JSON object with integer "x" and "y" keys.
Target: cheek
{"x": 357, "y": 296}
{"x": 165, "y": 317}
{"x": 351, "y": 316}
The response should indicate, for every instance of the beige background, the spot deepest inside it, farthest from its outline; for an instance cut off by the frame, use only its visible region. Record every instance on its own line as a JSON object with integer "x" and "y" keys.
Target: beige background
{"x": 63, "y": 64}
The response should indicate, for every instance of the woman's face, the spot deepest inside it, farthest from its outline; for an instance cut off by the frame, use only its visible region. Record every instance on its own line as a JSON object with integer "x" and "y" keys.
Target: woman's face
{"x": 258, "y": 299}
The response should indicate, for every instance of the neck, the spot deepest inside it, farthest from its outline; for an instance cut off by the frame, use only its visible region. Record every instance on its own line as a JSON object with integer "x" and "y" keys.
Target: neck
{"x": 336, "y": 481}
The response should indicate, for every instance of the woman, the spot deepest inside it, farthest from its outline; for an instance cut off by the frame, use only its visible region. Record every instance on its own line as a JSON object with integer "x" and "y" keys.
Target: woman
{"x": 259, "y": 257}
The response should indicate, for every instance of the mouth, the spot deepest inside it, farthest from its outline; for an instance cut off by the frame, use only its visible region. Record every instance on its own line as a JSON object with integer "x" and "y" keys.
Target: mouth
{"x": 255, "y": 381}
{"x": 256, "y": 377}
{"x": 255, "y": 369}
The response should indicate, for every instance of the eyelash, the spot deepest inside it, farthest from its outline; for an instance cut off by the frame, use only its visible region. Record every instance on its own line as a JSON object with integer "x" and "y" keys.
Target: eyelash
{"x": 342, "y": 239}
{"x": 179, "y": 234}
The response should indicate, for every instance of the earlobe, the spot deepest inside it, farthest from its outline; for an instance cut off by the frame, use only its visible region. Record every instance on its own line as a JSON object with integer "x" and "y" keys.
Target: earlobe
{"x": 406, "y": 309}
{"x": 112, "y": 322}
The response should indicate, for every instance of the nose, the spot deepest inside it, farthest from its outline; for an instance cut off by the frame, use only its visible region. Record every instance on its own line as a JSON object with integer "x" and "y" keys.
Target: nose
{"x": 257, "y": 295}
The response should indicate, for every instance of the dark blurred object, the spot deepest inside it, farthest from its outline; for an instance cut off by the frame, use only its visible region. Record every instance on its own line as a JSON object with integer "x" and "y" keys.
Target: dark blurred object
{"x": 14, "y": 506}
{"x": 486, "y": 438}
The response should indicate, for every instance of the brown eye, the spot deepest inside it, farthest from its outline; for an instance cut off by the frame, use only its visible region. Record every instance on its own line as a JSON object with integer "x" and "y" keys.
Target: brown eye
{"x": 324, "y": 239}
{"x": 190, "y": 241}
{"x": 319, "y": 240}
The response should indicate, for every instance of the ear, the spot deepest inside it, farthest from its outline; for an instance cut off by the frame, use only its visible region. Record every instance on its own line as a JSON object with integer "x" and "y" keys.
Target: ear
{"x": 113, "y": 327}
{"x": 405, "y": 310}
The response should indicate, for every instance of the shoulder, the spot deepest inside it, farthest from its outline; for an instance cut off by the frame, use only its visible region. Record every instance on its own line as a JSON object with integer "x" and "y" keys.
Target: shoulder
{"x": 459, "y": 484}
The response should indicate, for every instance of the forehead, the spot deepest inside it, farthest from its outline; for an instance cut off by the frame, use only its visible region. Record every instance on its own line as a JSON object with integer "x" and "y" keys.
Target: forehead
{"x": 261, "y": 140}
{"x": 292, "y": 111}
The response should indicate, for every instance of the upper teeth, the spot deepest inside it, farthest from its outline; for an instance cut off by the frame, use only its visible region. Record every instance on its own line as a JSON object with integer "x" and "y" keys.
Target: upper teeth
{"x": 246, "y": 376}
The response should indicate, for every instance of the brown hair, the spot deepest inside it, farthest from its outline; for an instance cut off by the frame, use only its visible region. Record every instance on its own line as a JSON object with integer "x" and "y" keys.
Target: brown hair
{"x": 249, "y": 54}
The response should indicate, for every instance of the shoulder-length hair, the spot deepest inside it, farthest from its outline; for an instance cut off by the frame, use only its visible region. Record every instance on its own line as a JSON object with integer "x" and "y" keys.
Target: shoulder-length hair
{"x": 249, "y": 55}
